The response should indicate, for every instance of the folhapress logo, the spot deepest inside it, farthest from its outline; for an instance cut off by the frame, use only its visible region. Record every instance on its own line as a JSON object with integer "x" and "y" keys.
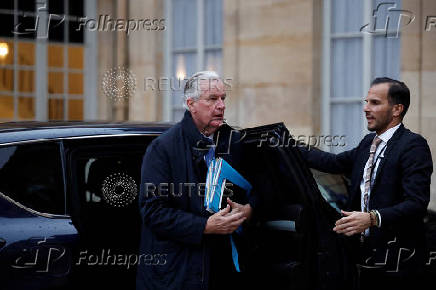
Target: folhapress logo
{"x": 40, "y": 28}
{"x": 387, "y": 19}
{"x": 106, "y": 23}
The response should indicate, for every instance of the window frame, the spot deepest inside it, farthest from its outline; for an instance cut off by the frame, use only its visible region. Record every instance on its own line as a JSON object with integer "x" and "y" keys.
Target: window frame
{"x": 85, "y": 147}
{"x": 62, "y": 160}
{"x": 40, "y": 95}
{"x": 200, "y": 49}
{"x": 367, "y": 67}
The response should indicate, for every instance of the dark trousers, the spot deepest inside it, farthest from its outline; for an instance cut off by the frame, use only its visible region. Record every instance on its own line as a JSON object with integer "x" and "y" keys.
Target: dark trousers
{"x": 396, "y": 274}
{"x": 223, "y": 274}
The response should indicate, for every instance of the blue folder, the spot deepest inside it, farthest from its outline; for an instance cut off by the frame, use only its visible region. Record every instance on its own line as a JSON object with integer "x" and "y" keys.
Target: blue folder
{"x": 219, "y": 172}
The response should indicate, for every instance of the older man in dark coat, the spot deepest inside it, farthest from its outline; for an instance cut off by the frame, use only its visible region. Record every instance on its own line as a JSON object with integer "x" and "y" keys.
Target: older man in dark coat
{"x": 190, "y": 247}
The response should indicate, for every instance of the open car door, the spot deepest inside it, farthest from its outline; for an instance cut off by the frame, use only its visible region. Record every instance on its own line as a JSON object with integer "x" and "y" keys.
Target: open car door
{"x": 292, "y": 244}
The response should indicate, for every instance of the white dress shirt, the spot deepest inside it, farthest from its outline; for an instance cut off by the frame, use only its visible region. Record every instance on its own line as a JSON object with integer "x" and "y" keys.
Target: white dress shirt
{"x": 379, "y": 154}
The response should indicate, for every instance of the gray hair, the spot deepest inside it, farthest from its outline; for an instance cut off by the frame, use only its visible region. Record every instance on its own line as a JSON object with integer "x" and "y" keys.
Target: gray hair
{"x": 192, "y": 86}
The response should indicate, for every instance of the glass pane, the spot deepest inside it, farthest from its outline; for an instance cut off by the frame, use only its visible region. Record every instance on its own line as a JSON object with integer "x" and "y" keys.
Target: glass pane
{"x": 26, "y": 108}
{"x": 75, "y": 109}
{"x": 387, "y": 17}
{"x": 7, "y": 4}
{"x": 75, "y": 7}
{"x": 55, "y": 56}
{"x": 386, "y": 57}
{"x": 213, "y": 61}
{"x": 346, "y": 68}
{"x": 74, "y": 33}
{"x": 6, "y": 107}
{"x": 55, "y": 109}
{"x": 346, "y": 120}
{"x": 26, "y": 81}
{"x": 75, "y": 83}
{"x": 75, "y": 57}
{"x": 26, "y": 53}
{"x": 27, "y": 26}
{"x": 31, "y": 174}
{"x": 26, "y": 5}
{"x": 184, "y": 67}
{"x": 184, "y": 23}
{"x": 347, "y": 16}
{"x": 332, "y": 187}
{"x": 55, "y": 83}
{"x": 6, "y": 52}
{"x": 7, "y": 25}
{"x": 107, "y": 181}
{"x": 56, "y": 6}
{"x": 213, "y": 22}
{"x": 6, "y": 80}
{"x": 56, "y": 31}
{"x": 178, "y": 114}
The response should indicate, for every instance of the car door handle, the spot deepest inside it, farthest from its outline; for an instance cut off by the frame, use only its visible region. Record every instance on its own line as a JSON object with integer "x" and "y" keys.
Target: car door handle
{"x": 2, "y": 243}
{"x": 281, "y": 225}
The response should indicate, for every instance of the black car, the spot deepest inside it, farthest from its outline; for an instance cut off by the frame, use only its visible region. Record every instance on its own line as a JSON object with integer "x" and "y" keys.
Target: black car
{"x": 69, "y": 216}
{"x": 68, "y": 193}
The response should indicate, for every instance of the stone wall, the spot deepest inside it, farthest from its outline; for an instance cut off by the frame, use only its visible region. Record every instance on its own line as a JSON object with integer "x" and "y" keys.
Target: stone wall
{"x": 268, "y": 52}
{"x": 418, "y": 71}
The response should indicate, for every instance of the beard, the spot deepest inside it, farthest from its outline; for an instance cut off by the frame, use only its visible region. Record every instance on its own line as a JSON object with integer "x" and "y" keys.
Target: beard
{"x": 380, "y": 123}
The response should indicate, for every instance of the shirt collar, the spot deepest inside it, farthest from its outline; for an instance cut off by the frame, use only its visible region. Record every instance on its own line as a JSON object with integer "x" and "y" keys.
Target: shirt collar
{"x": 389, "y": 133}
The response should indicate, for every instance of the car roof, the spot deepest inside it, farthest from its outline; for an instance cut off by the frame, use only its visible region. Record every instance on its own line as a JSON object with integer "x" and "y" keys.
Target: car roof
{"x": 11, "y": 132}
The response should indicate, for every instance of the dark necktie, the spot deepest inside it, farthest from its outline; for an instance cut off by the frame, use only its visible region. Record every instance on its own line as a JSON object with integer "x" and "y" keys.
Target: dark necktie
{"x": 369, "y": 170}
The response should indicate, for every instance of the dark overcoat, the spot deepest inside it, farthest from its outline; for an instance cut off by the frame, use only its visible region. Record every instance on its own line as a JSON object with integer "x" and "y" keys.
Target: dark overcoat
{"x": 171, "y": 207}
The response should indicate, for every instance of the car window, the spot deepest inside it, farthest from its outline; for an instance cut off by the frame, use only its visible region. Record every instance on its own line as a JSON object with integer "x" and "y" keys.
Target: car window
{"x": 105, "y": 177}
{"x": 332, "y": 187}
{"x": 31, "y": 174}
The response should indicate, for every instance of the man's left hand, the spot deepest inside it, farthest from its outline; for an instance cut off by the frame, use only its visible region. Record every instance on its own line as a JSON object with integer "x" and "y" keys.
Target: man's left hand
{"x": 352, "y": 223}
{"x": 236, "y": 207}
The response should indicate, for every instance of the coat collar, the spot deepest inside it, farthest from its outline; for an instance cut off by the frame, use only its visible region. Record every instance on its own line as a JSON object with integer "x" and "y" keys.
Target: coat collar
{"x": 389, "y": 146}
{"x": 387, "y": 135}
{"x": 193, "y": 135}
{"x": 199, "y": 144}
{"x": 364, "y": 158}
{"x": 197, "y": 139}
{"x": 393, "y": 140}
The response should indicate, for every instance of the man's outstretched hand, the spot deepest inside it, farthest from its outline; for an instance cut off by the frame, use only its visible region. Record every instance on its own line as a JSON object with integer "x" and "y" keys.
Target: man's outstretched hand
{"x": 224, "y": 222}
{"x": 352, "y": 223}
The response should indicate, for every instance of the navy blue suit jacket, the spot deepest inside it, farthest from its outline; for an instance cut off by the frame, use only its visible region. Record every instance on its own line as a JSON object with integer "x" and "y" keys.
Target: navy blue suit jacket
{"x": 400, "y": 191}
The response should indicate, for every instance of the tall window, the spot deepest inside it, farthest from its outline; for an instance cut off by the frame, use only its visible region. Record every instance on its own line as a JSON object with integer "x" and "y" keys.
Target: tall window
{"x": 195, "y": 42}
{"x": 359, "y": 45}
{"x": 65, "y": 62}
{"x": 17, "y": 61}
{"x": 41, "y": 60}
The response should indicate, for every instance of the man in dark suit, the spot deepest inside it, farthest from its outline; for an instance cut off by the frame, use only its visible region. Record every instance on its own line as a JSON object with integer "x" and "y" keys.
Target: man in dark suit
{"x": 389, "y": 193}
{"x": 195, "y": 244}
